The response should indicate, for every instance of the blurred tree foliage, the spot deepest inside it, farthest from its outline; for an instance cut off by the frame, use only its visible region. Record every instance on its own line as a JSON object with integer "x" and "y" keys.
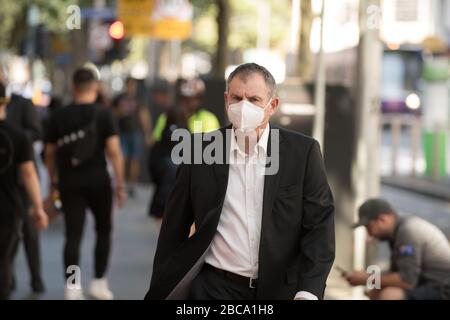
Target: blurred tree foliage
{"x": 242, "y": 25}
{"x": 205, "y": 25}
{"x": 52, "y": 13}
{"x": 305, "y": 55}
{"x": 244, "y": 22}
{"x": 221, "y": 26}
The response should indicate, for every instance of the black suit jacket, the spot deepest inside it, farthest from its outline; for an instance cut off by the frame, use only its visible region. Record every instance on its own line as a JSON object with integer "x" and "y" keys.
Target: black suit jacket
{"x": 297, "y": 244}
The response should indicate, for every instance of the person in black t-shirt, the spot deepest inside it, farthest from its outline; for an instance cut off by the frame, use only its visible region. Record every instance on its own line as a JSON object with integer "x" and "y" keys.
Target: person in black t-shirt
{"x": 24, "y": 115}
{"x": 16, "y": 157}
{"x": 85, "y": 183}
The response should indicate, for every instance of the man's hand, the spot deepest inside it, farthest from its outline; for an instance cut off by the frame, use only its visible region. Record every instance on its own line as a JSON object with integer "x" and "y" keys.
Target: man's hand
{"x": 121, "y": 196}
{"x": 40, "y": 218}
{"x": 54, "y": 192}
{"x": 356, "y": 278}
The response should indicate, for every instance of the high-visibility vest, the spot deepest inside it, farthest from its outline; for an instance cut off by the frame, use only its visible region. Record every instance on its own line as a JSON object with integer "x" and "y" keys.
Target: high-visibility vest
{"x": 201, "y": 121}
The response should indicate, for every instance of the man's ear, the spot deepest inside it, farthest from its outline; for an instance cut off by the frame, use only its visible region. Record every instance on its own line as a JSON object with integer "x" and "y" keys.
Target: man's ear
{"x": 274, "y": 105}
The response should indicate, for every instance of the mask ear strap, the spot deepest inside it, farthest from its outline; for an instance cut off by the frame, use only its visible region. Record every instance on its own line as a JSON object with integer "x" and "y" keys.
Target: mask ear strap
{"x": 270, "y": 100}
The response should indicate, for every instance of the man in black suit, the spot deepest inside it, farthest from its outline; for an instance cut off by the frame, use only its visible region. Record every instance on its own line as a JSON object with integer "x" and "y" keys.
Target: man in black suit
{"x": 260, "y": 233}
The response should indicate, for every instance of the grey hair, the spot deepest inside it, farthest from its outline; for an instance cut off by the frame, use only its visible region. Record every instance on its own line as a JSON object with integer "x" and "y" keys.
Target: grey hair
{"x": 243, "y": 71}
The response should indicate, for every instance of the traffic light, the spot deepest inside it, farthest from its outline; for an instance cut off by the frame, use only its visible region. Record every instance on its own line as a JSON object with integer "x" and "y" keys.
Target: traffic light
{"x": 119, "y": 49}
{"x": 116, "y": 30}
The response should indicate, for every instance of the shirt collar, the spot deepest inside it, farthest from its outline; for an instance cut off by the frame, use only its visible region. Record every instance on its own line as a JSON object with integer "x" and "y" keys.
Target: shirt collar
{"x": 263, "y": 140}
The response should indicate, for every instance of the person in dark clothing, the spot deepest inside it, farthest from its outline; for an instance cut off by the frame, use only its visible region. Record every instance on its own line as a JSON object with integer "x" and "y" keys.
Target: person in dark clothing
{"x": 161, "y": 167}
{"x": 262, "y": 232}
{"x": 22, "y": 113}
{"x": 16, "y": 156}
{"x": 54, "y": 105}
{"x": 77, "y": 139}
{"x": 135, "y": 128}
{"x": 102, "y": 98}
{"x": 159, "y": 164}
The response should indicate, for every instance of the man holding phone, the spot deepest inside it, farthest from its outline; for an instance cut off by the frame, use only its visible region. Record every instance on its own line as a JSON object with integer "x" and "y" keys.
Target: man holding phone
{"x": 420, "y": 255}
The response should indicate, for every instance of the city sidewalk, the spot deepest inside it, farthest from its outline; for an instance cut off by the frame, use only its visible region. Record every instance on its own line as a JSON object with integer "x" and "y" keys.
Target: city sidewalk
{"x": 436, "y": 189}
{"x": 134, "y": 244}
{"x": 135, "y": 237}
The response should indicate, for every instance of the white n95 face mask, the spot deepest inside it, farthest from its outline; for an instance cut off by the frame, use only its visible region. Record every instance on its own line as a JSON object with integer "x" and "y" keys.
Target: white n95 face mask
{"x": 245, "y": 115}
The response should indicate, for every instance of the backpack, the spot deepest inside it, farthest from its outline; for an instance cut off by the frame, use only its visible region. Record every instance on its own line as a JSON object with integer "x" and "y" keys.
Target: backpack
{"x": 78, "y": 147}
{"x": 6, "y": 152}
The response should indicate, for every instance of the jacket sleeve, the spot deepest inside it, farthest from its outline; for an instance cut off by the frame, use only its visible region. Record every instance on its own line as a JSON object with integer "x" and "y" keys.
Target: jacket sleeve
{"x": 317, "y": 242}
{"x": 177, "y": 220}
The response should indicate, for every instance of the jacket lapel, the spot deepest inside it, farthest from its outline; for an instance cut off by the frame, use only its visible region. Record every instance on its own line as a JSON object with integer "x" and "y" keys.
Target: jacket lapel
{"x": 271, "y": 184}
{"x": 221, "y": 170}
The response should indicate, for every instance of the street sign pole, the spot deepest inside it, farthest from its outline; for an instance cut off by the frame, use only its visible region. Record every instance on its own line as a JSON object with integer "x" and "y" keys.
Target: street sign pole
{"x": 366, "y": 175}
{"x": 319, "y": 88}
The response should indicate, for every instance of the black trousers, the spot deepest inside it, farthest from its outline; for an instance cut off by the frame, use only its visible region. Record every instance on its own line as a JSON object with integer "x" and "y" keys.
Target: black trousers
{"x": 209, "y": 285}
{"x": 9, "y": 232}
{"x": 30, "y": 238}
{"x": 92, "y": 191}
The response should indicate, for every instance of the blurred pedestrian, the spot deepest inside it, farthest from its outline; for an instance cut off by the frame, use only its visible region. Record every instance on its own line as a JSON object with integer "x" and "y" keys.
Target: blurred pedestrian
{"x": 187, "y": 113}
{"x": 54, "y": 105}
{"x": 16, "y": 158}
{"x": 135, "y": 129}
{"x": 23, "y": 114}
{"x": 103, "y": 99}
{"x": 162, "y": 170}
{"x": 420, "y": 255}
{"x": 190, "y": 98}
{"x": 77, "y": 140}
{"x": 260, "y": 234}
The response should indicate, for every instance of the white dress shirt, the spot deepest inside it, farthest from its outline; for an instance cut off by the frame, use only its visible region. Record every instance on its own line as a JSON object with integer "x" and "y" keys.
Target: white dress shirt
{"x": 235, "y": 247}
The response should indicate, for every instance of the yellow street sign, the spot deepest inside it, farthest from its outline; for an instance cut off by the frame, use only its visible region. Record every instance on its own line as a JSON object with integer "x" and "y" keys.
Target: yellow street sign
{"x": 162, "y": 19}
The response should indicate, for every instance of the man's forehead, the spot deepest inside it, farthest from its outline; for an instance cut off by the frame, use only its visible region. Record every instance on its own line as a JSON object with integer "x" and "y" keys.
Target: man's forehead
{"x": 252, "y": 84}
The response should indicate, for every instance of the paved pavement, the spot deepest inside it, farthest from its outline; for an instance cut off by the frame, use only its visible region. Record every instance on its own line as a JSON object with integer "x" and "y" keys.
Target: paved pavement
{"x": 135, "y": 237}
{"x": 439, "y": 189}
{"x": 134, "y": 244}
